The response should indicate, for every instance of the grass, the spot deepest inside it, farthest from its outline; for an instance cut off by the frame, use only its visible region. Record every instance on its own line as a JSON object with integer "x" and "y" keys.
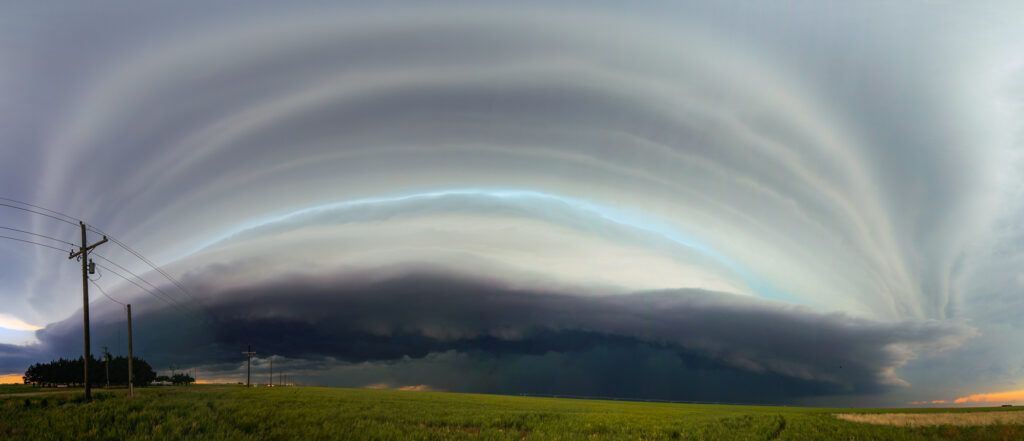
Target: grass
{"x": 14, "y": 388}
{"x": 308, "y": 413}
{"x": 23, "y": 388}
{"x": 936, "y": 419}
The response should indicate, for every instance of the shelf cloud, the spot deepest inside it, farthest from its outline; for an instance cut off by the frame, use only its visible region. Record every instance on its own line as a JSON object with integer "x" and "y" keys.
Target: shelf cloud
{"x": 796, "y": 200}
{"x": 458, "y": 324}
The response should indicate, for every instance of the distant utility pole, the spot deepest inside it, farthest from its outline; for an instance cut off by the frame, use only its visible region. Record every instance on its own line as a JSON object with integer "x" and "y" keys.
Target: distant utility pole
{"x": 87, "y": 267}
{"x": 106, "y": 358}
{"x": 271, "y": 371}
{"x": 131, "y": 361}
{"x": 248, "y": 365}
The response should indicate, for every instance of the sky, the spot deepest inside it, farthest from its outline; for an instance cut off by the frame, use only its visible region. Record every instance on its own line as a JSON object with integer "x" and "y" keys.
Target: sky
{"x": 794, "y": 202}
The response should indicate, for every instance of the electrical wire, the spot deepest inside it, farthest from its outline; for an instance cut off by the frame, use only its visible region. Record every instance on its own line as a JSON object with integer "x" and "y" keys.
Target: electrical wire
{"x": 41, "y": 208}
{"x": 98, "y": 231}
{"x": 168, "y": 296}
{"x": 97, "y": 285}
{"x": 37, "y": 212}
{"x": 146, "y": 261}
{"x": 94, "y": 282}
{"x": 129, "y": 280}
{"x": 39, "y": 235}
{"x": 194, "y": 301}
{"x": 34, "y": 243}
{"x": 170, "y": 302}
{"x": 138, "y": 255}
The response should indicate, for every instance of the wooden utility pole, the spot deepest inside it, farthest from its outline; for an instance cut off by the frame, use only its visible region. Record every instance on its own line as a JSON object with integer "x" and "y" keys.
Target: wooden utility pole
{"x": 131, "y": 360}
{"x": 248, "y": 365}
{"x": 83, "y": 254}
{"x": 271, "y": 371}
{"x": 106, "y": 358}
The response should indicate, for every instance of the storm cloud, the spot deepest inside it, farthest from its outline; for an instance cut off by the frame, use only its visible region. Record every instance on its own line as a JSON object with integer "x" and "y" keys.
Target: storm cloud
{"x": 768, "y": 191}
{"x": 458, "y": 325}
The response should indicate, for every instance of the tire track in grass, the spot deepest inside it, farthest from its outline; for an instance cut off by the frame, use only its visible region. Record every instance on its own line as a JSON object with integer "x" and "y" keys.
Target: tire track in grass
{"x": 778, "y": 430}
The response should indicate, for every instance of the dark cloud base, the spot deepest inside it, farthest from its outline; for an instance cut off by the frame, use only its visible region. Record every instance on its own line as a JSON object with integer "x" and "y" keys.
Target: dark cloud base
{"x": 15, "y": 358}
{"x": 478, "y": 336}
{"x": 630, "y": 371}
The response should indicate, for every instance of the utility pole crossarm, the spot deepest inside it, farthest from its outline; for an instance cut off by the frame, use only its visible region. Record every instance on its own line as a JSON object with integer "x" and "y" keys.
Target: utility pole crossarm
{"x": 87, "y": 249}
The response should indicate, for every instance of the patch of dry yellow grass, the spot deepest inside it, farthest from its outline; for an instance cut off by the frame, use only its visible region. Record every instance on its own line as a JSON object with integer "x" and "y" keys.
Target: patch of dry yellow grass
{"x": 935, "y": 419}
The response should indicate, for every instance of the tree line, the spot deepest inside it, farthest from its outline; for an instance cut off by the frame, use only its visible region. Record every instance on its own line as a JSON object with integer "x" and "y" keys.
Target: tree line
{"x": 70, "y": 372}
{"x": 185, "y": 379}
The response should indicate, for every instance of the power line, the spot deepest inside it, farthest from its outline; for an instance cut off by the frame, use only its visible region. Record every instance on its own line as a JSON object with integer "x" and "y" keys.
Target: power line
{"x": 112, "y": 239}
{"x": 194, "y": 299}
{"x": 41, "y": 208}
{"x": 37, "y": 212}
{"x": 171, "y": 300}
{"x": 97, "y": 285}
{"x": 154, "y": 287}
{"x": 92, "y": 228}
{"x": 167, "y": 301}
{"x": 34, "y": 243}
{"x": 150, "y": 263}
{"x": 58, "y": 249}
{"x": 37, "y": 234}
{"x": 136, "y": 276}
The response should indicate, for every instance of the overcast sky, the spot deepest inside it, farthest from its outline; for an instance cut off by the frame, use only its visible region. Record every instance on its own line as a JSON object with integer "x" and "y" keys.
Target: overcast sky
{"x": 792, "y": 202}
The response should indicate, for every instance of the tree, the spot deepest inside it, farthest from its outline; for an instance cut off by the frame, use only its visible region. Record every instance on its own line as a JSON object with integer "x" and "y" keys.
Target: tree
{"x": 185, "y": 379}
{"x": 69, "y": 372}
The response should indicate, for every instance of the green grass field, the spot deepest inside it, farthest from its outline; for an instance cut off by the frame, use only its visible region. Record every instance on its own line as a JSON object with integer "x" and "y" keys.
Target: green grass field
{"x": 309, "y": 413}
{"x": 16, "y": 388}
{"x": 25, "y": 388}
